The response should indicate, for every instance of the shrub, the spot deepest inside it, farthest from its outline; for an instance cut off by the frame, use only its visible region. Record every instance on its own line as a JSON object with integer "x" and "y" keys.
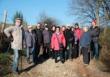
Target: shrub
{"x": 105, "y": 51}
{"x": 5, "y": 64}
{"x": 4, "y": 43}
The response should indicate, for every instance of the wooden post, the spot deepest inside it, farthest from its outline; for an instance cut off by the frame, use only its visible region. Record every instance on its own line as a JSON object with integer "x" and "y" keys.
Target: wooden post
{"x": 4, "y": 20}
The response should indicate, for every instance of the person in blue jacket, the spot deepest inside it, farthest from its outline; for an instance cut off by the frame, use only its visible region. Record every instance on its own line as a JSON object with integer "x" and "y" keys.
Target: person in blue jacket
{"x": 85, "y": 45}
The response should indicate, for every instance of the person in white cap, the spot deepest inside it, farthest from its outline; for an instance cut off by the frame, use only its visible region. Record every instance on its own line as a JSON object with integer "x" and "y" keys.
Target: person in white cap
{"x": 30, "y": 43}
{"x": 85, "y": 45}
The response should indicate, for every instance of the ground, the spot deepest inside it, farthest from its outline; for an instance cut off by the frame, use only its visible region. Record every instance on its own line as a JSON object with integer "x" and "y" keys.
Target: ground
{"x": 74, "y": 68}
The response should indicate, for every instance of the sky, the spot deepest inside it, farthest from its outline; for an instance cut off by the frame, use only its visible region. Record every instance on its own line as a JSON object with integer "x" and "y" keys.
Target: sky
{"x": 31, "y": 9}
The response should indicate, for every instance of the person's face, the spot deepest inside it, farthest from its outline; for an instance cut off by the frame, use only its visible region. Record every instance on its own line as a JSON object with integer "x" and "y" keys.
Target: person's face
{"x": 57, "y": 30}
{"x": 93, "y": 24}
{"x": 76, "y": 26}
{"x": 30, "y": 29}
{"x": 38, "y": 26}
{"x": 72, "y": 29}
{"x": 53, "y": 28}
{"x": 63, "y": 28}
{"x": 18, "y": 22}
{"x": 85, "y": 29}
{"x": 46, "y": 28}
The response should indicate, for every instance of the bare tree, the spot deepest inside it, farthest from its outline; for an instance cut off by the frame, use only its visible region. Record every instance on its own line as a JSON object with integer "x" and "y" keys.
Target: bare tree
{"x": 47, "y": 20}
{"x": 88, "y": 10}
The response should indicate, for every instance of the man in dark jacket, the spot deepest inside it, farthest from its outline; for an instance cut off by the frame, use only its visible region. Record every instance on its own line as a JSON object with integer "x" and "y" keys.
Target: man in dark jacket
{"x": 69, "y": 41}
{"x": 39, "y": 42}
{"x": 46, "y": 42}
{"x": 95, "y": 32}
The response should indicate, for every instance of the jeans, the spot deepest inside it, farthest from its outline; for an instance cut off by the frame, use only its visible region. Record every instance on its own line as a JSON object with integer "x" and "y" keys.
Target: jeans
{"x": 36, "y": 52}
{"x": 96, "y": 50}
{"x": 70, "y": 51}
{"x": 15, "y": 60}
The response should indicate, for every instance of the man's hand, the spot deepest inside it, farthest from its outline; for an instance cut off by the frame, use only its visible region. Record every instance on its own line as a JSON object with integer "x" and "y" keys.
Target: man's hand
{"x": 10, "y": 39}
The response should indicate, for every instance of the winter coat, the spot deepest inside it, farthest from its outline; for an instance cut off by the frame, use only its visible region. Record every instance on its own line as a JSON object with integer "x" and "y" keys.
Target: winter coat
{"x": 95, "y": 32}
{"x": 78, "y": 33}
{"x": 30, "y": 39}
{"x": 18, "y": 36}
{"x": 46, "y": 37}
{"x": 85, "y": 39}
{"x": 69, "y": 36}
{"x": 39, "y": 35}
{"x": 55, "y": 42}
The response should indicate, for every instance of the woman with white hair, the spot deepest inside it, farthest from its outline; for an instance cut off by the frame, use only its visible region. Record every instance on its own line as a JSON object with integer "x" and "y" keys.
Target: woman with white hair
{"x": 30, "y": 43}
{"x": 85, "y": 45}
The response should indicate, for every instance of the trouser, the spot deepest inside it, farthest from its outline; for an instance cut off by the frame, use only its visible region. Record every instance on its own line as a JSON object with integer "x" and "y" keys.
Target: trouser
{"x": 46, "y": 52}
{"x": 53, "y": 54}
{"x": 58, "y": 53}
{"x": 77, "y": 49}
{"x": 15, "y": 60}
{"x": 65, "y": 55}
{"x": 95, "y": 50}
{"x": 36, "y": 52}
{"x": 86, "y": 55}
{"x": 69, "y": 48}
{"x": 29, "y": 52}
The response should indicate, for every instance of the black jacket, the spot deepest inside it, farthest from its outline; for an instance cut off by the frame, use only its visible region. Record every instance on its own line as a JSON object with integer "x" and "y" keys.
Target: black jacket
{"x": 69, "y": 35}
{"x": 39, "y": 35}
{"x": 95, "y": 32}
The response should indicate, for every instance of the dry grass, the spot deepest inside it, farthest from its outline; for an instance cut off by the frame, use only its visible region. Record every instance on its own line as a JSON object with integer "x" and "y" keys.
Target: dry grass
{"x": 105, "y": 51}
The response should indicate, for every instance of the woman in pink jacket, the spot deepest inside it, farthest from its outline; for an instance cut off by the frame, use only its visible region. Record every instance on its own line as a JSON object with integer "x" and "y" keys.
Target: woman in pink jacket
{"x": 58, "y": 43}
{"x": 77, "y": 33}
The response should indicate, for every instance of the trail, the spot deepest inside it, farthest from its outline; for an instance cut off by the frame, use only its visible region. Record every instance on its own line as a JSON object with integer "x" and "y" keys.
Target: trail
{"x": 74, "y": 68}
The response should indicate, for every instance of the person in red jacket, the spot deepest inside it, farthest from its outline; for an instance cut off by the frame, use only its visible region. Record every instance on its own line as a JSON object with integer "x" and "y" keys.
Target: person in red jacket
{"x": 77, "y": 33}
{"x": 58, "y": 43}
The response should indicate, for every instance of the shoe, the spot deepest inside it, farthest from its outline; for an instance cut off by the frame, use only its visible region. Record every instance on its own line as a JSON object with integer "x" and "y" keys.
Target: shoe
{"x": 28, "y": 61}
{"x": 86, "y": 64}
{"x": 15, "y": 72}
{"x": 63, "y": 61}
{"x": 56, "y": 61}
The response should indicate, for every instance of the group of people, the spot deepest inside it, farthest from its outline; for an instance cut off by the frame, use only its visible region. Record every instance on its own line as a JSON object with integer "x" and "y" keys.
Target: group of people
{"x": 60, "y": 43}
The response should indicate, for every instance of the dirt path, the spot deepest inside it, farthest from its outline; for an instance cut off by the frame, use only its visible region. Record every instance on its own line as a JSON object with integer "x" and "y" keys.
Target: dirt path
{"x": 74, "y": 68}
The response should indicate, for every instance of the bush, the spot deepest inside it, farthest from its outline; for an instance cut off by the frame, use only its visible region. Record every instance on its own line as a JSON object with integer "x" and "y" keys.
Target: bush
{"x": 104, "y": 63}
{"x": 5, "y": 64}
{"x": 4, "y": 43}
